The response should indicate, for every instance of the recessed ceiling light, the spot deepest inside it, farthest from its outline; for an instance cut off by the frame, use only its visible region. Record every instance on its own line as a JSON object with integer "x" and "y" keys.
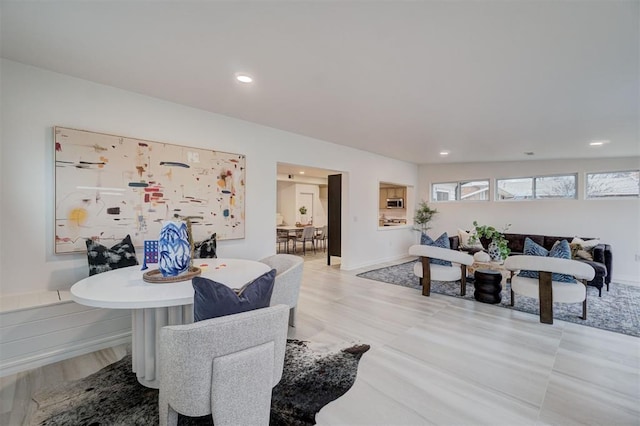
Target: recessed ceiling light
{"x": 243, "y": 78}
{"x": 598, "y": 143}
{"x": 301, "y": 173}
{"x": 444, "y": 153}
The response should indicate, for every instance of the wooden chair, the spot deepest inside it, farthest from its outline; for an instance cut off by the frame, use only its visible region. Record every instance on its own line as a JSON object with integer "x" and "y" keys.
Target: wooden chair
{"x": 428, "y": 271}
{"x": 544, "y": 288}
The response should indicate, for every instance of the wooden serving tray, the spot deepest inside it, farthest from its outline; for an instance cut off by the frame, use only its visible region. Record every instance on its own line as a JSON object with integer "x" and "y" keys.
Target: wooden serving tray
{"x": 155, "y": 276}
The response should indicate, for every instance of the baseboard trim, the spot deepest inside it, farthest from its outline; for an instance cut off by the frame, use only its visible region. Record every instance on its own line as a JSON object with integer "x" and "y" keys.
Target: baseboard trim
{"x": 378, "y": 262}
{"x": 42, "y": 359}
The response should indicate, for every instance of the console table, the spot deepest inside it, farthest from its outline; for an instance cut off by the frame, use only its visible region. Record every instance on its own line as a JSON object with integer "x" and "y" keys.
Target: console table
{"x": 156, "y": 305}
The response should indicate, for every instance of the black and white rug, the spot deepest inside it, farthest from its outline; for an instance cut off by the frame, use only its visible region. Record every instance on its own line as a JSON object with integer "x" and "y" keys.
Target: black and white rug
{"x": 617, "y": 310}
{"x": 112, "y": 396}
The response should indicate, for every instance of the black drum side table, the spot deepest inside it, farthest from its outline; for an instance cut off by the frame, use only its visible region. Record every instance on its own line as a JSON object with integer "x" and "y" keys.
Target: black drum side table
{"x": 487, "y": 286}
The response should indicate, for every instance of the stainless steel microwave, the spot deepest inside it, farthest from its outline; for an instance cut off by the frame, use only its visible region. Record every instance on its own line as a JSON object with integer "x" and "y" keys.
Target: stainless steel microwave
{"x": 395, "y": 203}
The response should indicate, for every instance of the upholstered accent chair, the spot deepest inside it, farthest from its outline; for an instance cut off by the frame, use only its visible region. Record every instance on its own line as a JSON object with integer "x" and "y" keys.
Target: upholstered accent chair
{"x": 427, "y": 271}
{"x": 288, "y": 281}
{"x": 224, "y": 366}
{"x": 545, "y": 288}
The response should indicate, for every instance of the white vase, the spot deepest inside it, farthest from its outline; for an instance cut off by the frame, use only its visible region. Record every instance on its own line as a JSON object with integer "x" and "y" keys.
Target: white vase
{"x": 494, "y": 252}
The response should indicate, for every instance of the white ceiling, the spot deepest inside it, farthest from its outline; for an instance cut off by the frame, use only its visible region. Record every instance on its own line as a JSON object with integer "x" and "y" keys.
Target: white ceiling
{"x": 485, "y": 80}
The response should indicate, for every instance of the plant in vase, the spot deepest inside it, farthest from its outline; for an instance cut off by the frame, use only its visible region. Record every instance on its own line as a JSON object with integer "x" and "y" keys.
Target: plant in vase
{"x": 424, "y": 215}
{"x": 498, "y": 247}
{"x": 303, "y": 214}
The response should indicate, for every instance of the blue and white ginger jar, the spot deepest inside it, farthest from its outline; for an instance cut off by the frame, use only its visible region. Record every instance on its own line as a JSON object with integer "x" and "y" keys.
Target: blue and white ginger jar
{"x": 174, "y": 249}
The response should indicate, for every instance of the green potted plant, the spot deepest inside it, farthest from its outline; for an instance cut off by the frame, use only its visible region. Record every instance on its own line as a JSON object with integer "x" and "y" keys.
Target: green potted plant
{"x": 424, "y": 215}
{"x": 498, "y": 247}
{"x": 303, "y": 214}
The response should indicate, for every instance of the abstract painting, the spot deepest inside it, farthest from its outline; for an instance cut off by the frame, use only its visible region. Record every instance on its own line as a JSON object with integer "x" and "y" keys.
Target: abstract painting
{"x": 109, "y": 186}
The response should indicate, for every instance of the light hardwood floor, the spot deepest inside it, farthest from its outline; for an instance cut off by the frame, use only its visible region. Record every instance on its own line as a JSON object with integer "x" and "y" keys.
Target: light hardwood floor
{"x": 433, "y": 360}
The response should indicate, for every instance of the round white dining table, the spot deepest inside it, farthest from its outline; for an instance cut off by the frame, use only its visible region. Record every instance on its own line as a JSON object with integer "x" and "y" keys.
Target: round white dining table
{"x": 156, "y": 305}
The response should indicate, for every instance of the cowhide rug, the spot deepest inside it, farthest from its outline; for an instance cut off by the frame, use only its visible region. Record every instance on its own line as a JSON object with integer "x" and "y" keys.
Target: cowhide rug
{"x": 112, "y": 396}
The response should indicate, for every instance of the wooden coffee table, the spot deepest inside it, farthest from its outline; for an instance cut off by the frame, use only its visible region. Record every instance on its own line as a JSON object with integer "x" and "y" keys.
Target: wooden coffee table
{"x": 493, "y": 266}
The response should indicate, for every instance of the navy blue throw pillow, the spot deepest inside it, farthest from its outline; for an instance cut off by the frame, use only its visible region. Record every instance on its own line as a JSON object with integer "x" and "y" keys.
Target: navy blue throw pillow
{"x": 205, "y": 249}
{"x": 442, "y": 241}
{"x": 103, "y": 259}
{"x": 212, "y": 299}
{"x": 560, "y": 249}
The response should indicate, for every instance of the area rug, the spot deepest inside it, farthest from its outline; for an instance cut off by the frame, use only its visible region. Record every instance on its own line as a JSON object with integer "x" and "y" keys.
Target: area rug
{"x": 112, "y": 396}
{"x": 617, "y": 310}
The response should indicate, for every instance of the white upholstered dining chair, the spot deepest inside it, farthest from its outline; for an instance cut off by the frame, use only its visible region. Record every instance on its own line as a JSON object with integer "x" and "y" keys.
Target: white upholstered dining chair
{"x": 544, "y": 288}
{"x": 224, "y": 366}
{"x": 287, "y": 283}
{"x": 427, "y": 271}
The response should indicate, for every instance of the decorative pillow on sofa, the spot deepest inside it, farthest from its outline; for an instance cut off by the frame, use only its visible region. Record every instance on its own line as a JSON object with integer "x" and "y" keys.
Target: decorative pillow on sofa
{"x": 584, "y": 255}
{"x": 103, "y": 259}
{"x": 577, "y": 252}
{"x": 560, "y": 250}
{"x": 205, "y": 249}
{"x": 574, "y": 249}
{"x": 587, "y": 245}
{"x": 442, "y": 241}
{"x": 464, "y": 237}
{"x": 212, "y": 299}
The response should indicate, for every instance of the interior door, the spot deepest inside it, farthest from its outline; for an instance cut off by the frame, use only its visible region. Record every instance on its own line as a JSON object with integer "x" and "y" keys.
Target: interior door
{"x": 334, "y": 216}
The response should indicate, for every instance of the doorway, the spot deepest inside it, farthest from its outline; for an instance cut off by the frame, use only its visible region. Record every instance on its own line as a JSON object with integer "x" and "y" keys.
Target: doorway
{"x": 298, "y": 186}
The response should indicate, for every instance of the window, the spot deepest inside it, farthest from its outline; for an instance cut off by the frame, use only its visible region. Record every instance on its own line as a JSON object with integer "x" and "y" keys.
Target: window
{"x": 472, "y": 190}
{"x": 444, "y": 191}
{"x": 514, "y": 189}
{"x": 613, "y": 184}
{"x": 537, "y": 187}
{"x": 555, "y": 187}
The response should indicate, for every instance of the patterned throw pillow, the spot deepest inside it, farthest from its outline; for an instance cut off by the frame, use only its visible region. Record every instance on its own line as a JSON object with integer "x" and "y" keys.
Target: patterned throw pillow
{"x": 584, "y": 255}
{"x": 205, "y": 249}
{"x": 574, "y": 249}
{"x": 103, "y": 259}
{"x": 586, "y": 245}
{"x": 212, "y": 299}
{"x": 442, "y": 241}
{"x": 577, "y": 252}
{"x": 560, "y": 250}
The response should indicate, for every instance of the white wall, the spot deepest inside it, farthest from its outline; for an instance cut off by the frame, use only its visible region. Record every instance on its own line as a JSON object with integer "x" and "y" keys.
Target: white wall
{"x": 286, "y": 204}
{"x": 35, "y": 100}
{"x": 615, "y": 221}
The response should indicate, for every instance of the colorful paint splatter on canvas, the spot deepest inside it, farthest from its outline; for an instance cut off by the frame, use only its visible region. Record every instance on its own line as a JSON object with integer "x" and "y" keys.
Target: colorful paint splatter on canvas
{"x": 110, "y": 186}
